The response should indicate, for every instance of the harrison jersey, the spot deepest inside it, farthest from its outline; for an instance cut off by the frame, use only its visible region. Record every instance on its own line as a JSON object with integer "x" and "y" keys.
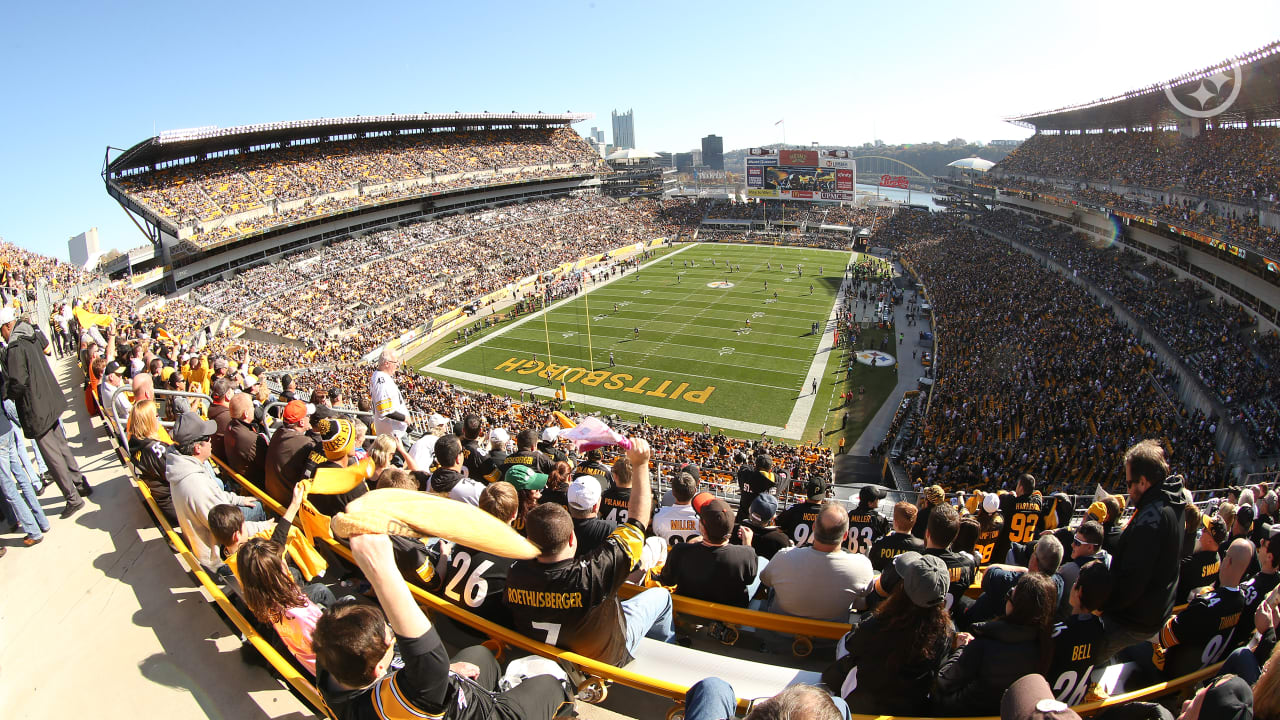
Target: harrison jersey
{"x": 866, "y": 526}
{"x": 797, "y": 522}
{"x": 1022, "y": 515}
{"x": 675, "y": 524}
{"x": 386, "y": 398}
{"x": 1073, "y": 657}
{"x": 573, "y": 604}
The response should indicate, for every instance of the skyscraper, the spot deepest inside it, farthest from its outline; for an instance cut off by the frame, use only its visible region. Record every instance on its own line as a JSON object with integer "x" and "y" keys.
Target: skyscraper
{"x": 624, "y": 130}
{"x": 713, "y": 152}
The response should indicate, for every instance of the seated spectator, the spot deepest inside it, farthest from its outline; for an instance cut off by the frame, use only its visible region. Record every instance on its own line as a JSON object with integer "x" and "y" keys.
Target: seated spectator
{"x": 1257, "y": 588}
{"x": 572, "y": 602}
{"x": 529, "y": 485}
{"x": 944, "y": 524}
{"x": 615, "y": 499}
{"x": 1086, "y": 546}
{"x": 819, "y": 581}
{"x": 220, "y": 413}
{"x": 712, "y": 569}
{"x": 448, "y": 480}
{"x": 677, "y": 523}
{"x": 715, "y": 699}
{"x": 338, "y": 441}
{"x": 797, "y": 520}
{"x": 149, "y": 453}
{"x": 354, "y": 649}
{"x": 999, "y": 652}
{"x": 932, "y": 497}
{"x": 111, "y": 392}
{"x": 1200, "y": 568}
{"x": 195, "y": 489}
{"x": 1201, "y": 634}
{"x": 245, "y": 445}
{"x": 589, "y": 529}
{"x": 765, "y": 537}
{"x": 1074, "y": 638}
{"x": 866, "y": 526}
{"x": 289, "y": 452}
{"x": 900, "y": 540}
{"x": 557, "y": 487}
{"x": 474, "y": 580}
{"x": 889, "y": 660}
{"x": 1046, "y": 557}
{"x": 966, "y": 541}
{"x": 273, "y": 596}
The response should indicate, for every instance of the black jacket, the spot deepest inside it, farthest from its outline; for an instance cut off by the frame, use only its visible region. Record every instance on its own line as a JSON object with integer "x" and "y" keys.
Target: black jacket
{"x": 973, "y": 679}
{"x": 30, "y": 383}
{"x": 885, "y": 688}
{"x": 148, "y": 457}
{"x": 1146, "y": 563}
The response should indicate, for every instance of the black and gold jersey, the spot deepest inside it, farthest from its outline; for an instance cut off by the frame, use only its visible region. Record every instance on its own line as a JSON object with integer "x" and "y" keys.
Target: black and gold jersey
{"x": 752, "y": 482}
{"x": 891, "y": 546}
{"x": 573, "y": 604}
{"x": 1074, "y": 642}
{"x": 597, "y": 470}
{"x": 797, "y": 522}
{"x": 613, "y": 504}
{"x": 1201, "y": 634}
{"x": 1254, "y": 590}
{"x": 532, "y": 458}
{"x": 866, "y": 526}
{"x": 476, "y": 581}
{"x": 988, "y": 539}
{"x": 961, "y": 571}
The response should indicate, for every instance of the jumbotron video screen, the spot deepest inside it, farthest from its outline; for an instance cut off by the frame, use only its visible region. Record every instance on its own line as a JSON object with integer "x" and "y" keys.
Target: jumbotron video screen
{"x": 800, "y": 175}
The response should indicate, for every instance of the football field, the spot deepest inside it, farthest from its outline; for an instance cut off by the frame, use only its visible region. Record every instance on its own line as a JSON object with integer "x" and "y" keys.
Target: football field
{"x": 689, "y": 337}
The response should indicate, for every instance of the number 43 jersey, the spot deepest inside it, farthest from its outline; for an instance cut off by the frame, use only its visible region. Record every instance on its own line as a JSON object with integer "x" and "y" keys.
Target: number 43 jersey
{"x": 475, "y": 581}
{"x": 573, "y": 604}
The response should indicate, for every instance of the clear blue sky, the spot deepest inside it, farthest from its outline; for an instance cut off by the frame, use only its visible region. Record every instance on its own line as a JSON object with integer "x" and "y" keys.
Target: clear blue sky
{"x": 80, "y": 76}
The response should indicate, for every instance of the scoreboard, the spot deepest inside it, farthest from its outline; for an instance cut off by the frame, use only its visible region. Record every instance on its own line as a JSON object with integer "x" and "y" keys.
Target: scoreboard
{"x": 826, "y": 176}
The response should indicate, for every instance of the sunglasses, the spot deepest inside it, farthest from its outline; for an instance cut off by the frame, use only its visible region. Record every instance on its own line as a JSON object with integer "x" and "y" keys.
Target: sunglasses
{"x": 1078, "y": 541}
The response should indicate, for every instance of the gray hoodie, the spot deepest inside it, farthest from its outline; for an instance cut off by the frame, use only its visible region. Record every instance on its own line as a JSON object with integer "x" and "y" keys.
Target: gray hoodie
{"x": 195, "y": 492}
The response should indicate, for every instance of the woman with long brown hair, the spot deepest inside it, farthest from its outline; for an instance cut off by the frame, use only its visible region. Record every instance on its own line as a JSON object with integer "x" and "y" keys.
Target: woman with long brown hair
{"x": 893, "y": 656}
{"x": 557, "y": 487}
{"x": 147, "y": 452}
{"x": 273, "y": 596}
{"x": 973, "y": 679}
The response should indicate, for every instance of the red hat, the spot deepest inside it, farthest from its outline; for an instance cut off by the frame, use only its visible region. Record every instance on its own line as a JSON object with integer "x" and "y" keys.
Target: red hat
{"x": 294, "y": 412}
{"x": 700, "y": 500}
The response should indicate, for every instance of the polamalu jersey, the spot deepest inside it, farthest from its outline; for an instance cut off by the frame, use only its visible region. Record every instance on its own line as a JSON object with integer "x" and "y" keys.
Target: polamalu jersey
{"x": 675, "y": 524}
{"x": 752, "y": 482}
{"x": 797, "y": 522}
{"x": 960, "y": 570}
{"x": 1074, "y": 657}
{"x": 614, "y": 502}
{"x": 573, "y": 604}
{"x": 532, "y": 458}
{"x": 988, "y": 539}
{"x": 476, "y": 581}
{"x": 1201, "y": 634}
{"x": 1254, "y": 590}
{"x": 597, "y": 470}
{"x": 891, "y": 546}
{"x": 866, "y": 526}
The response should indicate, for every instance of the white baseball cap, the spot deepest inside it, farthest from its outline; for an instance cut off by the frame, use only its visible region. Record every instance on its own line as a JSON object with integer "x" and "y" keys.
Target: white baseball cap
{"x": 551, "y": 434}
{"x": 437, "y": 420}
{"x": 584, "y": 492}
{"x": 7, "y": 315}
{"x": 991, "y": 502}
{"x": 498, "y": 435}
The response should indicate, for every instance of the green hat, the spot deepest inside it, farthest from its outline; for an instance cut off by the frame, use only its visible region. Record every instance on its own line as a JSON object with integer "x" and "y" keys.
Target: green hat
{"x": 524, "y": 478}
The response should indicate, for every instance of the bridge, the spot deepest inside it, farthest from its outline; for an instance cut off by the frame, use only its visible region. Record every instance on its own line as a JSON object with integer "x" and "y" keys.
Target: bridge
{"x": 871, "y": 167}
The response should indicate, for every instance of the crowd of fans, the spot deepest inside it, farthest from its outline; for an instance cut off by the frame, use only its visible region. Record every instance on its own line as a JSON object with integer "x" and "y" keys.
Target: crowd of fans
{"x": 1034, "y": 376}
{"x": 233, "y": 184}
{"x": 1218, "y": 340}
{"x": 1232, "y": 165}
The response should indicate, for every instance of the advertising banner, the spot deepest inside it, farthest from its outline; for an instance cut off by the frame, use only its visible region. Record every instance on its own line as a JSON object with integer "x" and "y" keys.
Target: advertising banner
{"x": 894, "y": 181}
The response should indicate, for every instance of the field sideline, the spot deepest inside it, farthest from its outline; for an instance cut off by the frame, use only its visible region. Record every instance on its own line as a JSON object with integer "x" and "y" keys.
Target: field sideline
{"x": 712, "y": 346}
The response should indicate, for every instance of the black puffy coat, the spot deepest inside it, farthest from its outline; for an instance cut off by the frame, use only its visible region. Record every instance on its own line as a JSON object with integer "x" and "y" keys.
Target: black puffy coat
{"x": 30, "y": 383}
{"x": 1146, "y": 562}
{"x": 973, "y": 679}
{"x": 881, "y": 687}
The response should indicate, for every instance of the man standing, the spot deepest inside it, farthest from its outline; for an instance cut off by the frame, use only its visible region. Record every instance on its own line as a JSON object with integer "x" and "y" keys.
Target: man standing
{"x": 752, "y": 481}
{"x": 390, "y": 414}
{"x": 1145, "y": 566}
{"x": 30, "y": 384}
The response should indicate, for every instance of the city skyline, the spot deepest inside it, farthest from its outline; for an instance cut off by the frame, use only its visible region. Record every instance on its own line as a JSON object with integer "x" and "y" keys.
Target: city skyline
{"x": 851, "y": 75}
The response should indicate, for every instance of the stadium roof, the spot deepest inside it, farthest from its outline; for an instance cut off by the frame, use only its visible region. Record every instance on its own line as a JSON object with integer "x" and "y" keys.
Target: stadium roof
{"x": 195, "y": 142}
{"x": 1248, "y": 85}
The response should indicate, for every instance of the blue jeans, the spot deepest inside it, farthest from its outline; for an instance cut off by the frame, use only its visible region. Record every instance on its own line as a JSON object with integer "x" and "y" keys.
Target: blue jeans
{"x": 648, "y": 615}
{"x": 254, "y": 512}
{"x": 16, "y": 487}
{"x": 714, "y": 699}
{"x": 11, "y": 410}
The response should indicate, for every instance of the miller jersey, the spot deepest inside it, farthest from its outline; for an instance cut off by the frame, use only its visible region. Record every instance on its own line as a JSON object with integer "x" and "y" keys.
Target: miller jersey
{"x": 675, "y": 524}
{"x": 866, "y": 526}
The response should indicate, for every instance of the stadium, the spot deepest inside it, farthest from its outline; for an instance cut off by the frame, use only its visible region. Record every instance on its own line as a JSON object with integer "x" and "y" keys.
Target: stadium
{"x": 846, "y": 433}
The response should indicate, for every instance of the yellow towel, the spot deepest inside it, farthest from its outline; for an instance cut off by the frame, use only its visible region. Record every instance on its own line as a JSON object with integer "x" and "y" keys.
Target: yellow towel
{"x": 414, "y": 514}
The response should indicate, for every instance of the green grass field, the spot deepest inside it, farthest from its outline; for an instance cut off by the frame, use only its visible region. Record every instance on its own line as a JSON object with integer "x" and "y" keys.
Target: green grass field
{"x": 735, "y": 357}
